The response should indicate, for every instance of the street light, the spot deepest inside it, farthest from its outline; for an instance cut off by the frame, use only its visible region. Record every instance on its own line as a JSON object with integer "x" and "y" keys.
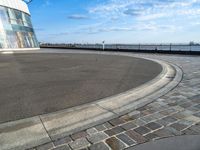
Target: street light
{"x": 103, "y": 45}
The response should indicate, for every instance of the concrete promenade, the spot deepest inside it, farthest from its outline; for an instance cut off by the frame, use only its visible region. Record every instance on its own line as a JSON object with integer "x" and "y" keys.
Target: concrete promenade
{"x": 174, "y": 114}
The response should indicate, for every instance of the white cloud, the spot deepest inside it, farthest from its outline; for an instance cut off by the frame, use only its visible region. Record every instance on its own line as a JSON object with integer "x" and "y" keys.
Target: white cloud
{"x": 46, "y": 3}
{"x": 145, "y": 9}
{"x": 77, "y": 16}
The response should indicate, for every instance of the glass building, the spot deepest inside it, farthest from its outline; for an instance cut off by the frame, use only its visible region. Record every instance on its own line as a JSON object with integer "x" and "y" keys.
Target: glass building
{"x": 16, "y": 30}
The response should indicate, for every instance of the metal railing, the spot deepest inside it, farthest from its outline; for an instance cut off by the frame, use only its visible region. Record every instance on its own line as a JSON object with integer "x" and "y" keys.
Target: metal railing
{"x": 131, "y": 47}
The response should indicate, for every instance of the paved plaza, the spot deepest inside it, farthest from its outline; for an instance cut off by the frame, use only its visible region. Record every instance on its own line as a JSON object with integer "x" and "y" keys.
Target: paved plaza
{"x": 174, "y": 114}
{"x": 171, "y": 119}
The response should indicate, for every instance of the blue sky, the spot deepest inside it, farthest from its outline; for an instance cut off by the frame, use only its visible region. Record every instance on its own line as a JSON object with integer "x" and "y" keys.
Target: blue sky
{"x": 116, "y": 21}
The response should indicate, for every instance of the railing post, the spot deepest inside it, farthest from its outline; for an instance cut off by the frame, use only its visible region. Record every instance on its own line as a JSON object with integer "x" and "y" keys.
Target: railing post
{"x": 170, "y": 47}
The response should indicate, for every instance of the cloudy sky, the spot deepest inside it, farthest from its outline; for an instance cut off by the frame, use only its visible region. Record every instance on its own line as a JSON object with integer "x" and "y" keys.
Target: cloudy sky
{"x": 116, "y": 21}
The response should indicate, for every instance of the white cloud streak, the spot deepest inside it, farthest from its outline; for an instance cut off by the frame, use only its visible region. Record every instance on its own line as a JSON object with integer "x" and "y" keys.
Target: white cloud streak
{"x": 146, "y": 9}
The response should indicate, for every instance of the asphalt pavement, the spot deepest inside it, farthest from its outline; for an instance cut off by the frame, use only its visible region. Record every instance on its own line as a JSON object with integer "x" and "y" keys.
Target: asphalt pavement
{"x": 34, "y": 84}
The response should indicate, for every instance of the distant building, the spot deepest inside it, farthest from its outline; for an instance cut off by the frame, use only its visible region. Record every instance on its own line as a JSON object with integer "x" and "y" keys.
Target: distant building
{"x": 16, "y": 30}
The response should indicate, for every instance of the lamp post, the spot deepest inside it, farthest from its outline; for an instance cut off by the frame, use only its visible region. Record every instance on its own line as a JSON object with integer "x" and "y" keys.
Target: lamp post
{"x": 103, "y": 44}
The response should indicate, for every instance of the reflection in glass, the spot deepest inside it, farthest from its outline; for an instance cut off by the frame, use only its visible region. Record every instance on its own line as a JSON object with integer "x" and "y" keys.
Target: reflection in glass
{"x": 16, "y": 29}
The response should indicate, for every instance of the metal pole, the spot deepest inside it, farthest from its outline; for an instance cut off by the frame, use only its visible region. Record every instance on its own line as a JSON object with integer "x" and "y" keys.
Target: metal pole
{"x": 103, "y": 45}
{"x": 170, "y": 47}
{"x": 139, "y": 46}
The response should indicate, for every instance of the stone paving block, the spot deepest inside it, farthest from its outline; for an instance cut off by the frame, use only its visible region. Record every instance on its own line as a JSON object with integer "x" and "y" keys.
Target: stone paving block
{"x": 158, "y": 115}
{"x": 162, "y": 122}
{"x": 196, "y": 97}
{"x": 153, "y": 126}
{"x": 193, "y": 109}
{"x": 116, "y": 121}
{"x": 62, "y": 147}
{"x": 62, "y": 141}
{"x": 161, "y": 102}
{"x": 115, "y": 144}
{"x": 179, "y": 115}
{"x": 155, "y": 105}
{"x": 107, "y": 125}
{"x": 141, "y": 109}
{"x": 151, "y": 136}
{"x": 79, "y": 143}
{"x": 169, "y": 119}
{"x": 128, "y": 126}
{"x": 147, "y": 112}
{"x": 86, "y": 148}
{"x": 197, "y": 114}
{"x": 136, "y": 136}
{"x": 172, "y": 104}
{"x": 173, "y": 131}
{"x": 187, "y": 113}
{"x": 142, "y": 130}
{"x": 195, "y": 128}
{"x": 168, "y": 111}
{"x": 99, "y": 146}
{"x": 197, "y": 101}
{"x": 45, "y": 146}
{"x": 126, "y": 139}
{"x": 91, "y": 131}
{"x": 78, "y": 135}
{"x": 178, "y": 126}
{"x": 186, "y": 105}
{"x": 114, "y": 131}
{"x": 163, "y": 107}
{"x": 165, "y": 97}
{"x": 197, "y": 106}
{"x": 186, "y": 122}
{"x": 147, "y": 107}
{"x": 148, "y": 118}
{"x": 139, "y": 122}
{"x": 181, "y": 101}
{"x": 101, "y": 127}
{"x": 175, "y": 94}
{"x": 163, "y": 133}
{"x": 97, "y": 137}
{"x": 31, "y": 149}
{"x": 126, "y": 118}
{"x": 187, "y": 94}
{"x": 155, "y": 110}
{"x": 134, "y": 114}
{"x": 178, "y": 108}
{"x": 193, "y": 119}
{"x": 189, "y": 132}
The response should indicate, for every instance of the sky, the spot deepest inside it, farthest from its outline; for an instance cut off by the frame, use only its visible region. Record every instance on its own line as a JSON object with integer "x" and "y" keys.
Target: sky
{"x": 116, "y": 21}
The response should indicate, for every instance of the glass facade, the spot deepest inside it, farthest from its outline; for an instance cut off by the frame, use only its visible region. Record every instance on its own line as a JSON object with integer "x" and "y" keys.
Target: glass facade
{"x": 16, "y": 30}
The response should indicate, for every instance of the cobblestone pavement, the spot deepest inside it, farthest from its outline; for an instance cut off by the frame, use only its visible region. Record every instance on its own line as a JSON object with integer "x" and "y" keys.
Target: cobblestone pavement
{"x": 176, "y": 113}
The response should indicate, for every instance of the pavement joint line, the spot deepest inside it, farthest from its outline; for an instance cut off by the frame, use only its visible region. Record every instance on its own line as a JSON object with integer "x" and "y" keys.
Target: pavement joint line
{"x": 188, "y": 127}
{"x": 109, "y": 110}
{"x": 46, "y": 130}
{"x": 142, "y": 101}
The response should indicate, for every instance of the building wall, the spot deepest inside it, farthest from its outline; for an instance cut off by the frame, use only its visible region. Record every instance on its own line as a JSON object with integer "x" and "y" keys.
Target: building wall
{"x": 15, "y": 4}
{"x": 16, "y": 30}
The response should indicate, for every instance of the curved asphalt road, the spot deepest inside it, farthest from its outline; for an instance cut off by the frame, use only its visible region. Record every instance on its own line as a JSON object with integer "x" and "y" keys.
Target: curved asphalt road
{"x": 33, "y": 84}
